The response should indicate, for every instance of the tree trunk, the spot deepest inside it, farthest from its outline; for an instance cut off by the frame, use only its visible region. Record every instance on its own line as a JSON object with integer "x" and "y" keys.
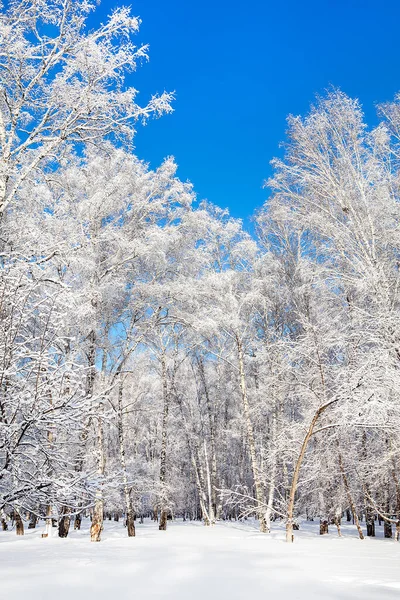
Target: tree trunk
{"x": 77, "y": 522}
{"x": 350, "y": 498}
{"x": 369, "y": 515}
{"x": 337, "y": 523}
{"x": 63, "y": 526}
{"x": 370, "y": 522}
{"x": 211, "y": 514}
{"x": 387, "y": 529}
{"x": 98, "y": 512}
{"x": 163, "y": 457}
{"x": 323, "y": 527}
{"x": 163, "y": 520}
{"x": 295, "y": 478}
{"x": 211, "y": 421}
{"x": 271, "y": 491}
{"x": 250, "y": 440}
{"x": 33, "y": 521}
{"x": 19, "y": 525}
{"x": 130, "y": 523}
{"x": 198, "y": 471}
{"x": 48, "y": 530}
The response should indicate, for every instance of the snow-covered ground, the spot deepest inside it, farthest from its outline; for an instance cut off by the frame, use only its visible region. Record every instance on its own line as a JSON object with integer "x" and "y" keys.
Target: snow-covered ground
{"x": 231, "y": 561}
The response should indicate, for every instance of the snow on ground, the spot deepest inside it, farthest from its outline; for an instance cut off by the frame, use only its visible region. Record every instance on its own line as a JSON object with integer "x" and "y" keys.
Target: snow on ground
{"x": 231, "y": 561}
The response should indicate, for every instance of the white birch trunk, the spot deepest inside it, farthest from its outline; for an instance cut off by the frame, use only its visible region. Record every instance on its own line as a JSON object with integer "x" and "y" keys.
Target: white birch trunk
{"x": 250, "y": 440}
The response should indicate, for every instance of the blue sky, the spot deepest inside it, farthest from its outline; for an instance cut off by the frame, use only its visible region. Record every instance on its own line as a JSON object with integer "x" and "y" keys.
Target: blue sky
{"x": 239, "y": 68}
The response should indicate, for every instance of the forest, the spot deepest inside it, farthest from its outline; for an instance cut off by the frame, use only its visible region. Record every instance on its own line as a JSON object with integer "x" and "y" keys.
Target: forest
{"x": 158, "y": 359}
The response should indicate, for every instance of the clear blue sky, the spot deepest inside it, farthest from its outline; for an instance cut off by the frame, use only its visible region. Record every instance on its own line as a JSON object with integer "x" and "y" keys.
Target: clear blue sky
{"x": 238, "y": 69}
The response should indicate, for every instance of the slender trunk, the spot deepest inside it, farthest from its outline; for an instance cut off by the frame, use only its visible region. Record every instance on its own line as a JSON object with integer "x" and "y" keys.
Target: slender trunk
{"x": 130, "y": 522}
{"x": 163, "y": 457}
{"x": 48, "y": 531}
{"x": 211, "y": 421}
{"x": 295, "y": 478}
{"x": 210, "y": 498}
{"x": 369, "y": 515}
{"x": 250, "y": 440}
{"x": 271, "y": 492}
{"x": 350, "y": 498}
{"x": 98, "y": 512}
{"x": 195, "y": 459}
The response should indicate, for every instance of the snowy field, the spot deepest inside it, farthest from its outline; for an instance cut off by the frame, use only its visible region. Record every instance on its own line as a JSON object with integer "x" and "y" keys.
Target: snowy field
{"x": 231, "y": 561}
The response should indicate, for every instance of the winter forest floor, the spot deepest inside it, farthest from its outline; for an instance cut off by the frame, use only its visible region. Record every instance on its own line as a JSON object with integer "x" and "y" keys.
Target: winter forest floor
{"x": 231, "y": 561}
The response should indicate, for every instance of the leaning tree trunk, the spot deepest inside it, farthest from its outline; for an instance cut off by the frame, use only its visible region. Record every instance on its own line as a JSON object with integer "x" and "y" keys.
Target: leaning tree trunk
{"x": 295, "y": 478}
{"x": 200, "y": 487}
{"x": 250, "y": 440}
{"x": 163, "y": 457}
{"x": 350, "y": 498}
{"x": 130, "y": 517}
{"x": 199, "y": 477}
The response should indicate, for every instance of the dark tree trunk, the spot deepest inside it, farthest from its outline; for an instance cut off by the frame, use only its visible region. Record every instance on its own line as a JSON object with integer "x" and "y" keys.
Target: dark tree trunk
{"x": 63, "y": 526}
{"x": 77, "y": 522}
{"x": 4, "y": 525}
{"x": 33, "y": 521}
{"x": 323, "y": 527}
{"x": 387, "y": 529}
{"x": 348, "y": 515}
{"x": 370, "y": 522}
{"x": 19, "y": 526}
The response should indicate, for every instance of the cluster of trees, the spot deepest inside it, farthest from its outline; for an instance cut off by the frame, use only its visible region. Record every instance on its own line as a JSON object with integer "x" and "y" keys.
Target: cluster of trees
{"x": 156, "y": 358}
